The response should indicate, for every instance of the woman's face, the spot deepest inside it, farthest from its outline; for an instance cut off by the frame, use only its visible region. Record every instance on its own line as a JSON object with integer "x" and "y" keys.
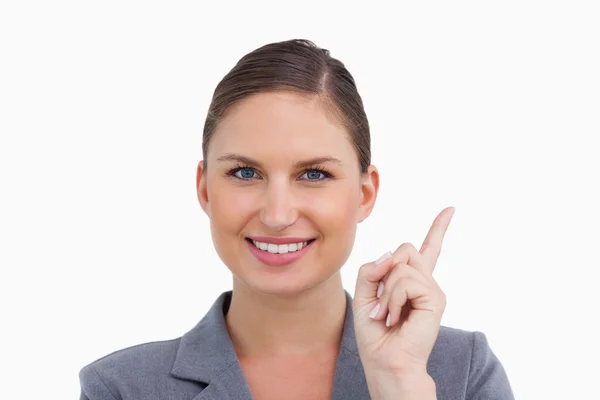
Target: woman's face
{"x": 284, "y": 192}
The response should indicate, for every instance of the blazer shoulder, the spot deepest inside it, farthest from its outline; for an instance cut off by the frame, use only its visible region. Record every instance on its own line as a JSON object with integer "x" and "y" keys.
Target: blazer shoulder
{"x": 458, "y": 343}
{"x": 150, "y": 353}
{"x": 463, "y": 361}
{"x": 104, "y": 377}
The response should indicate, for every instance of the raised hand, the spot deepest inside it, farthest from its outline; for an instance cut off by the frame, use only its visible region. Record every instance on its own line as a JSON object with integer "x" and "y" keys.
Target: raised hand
{"x": 398, "y": 306}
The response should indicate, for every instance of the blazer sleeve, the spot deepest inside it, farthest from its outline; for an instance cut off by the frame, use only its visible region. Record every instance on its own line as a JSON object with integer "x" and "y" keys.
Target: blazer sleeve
{"x": 93, "y": 387}
{"x": 487, "y": 377}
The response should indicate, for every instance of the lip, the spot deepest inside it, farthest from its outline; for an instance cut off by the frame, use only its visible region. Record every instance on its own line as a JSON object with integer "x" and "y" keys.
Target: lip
{"x": 280, "y": 240}
{"x": 277, "y": 260}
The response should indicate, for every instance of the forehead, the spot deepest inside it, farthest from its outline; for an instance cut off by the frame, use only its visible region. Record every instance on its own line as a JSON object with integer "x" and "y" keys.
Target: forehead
{"x": 282, "y": 124}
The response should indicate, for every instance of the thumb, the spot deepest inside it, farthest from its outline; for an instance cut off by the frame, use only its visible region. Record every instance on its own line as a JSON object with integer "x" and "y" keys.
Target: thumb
{"x": 368, "y": 279}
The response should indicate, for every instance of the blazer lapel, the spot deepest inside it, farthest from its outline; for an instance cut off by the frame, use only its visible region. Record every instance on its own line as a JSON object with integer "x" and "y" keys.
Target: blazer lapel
{"x": 206, "y": 355}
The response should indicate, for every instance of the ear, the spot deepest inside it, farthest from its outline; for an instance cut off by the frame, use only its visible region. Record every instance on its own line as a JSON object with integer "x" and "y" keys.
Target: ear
{"x": 201, "y": 190}
{"x": 369, "y": 187}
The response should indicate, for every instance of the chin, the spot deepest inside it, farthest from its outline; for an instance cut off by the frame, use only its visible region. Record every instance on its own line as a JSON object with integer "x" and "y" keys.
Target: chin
{"x": 300, "y": 279}
{"x": 291, "y": 282}
{"x": 282, "y": 284}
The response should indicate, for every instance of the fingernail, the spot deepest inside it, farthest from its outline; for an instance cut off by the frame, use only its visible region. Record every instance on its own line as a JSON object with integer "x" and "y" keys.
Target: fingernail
{"x": 375, "y": 311}
{"x": 388, "y": 320}
{"x": 382, "y": 259}
{"x": 380, "y": 289}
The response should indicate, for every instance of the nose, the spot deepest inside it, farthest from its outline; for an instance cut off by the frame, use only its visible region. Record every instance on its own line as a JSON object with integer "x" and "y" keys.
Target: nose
{"x": 278, "y": 211}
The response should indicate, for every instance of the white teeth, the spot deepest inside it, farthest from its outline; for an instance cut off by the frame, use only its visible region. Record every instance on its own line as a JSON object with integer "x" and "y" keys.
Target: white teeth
{"x": 280, "y": 249}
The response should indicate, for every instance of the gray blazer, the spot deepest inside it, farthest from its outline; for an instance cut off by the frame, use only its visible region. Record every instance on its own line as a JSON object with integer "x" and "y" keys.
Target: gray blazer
{"x": 202, "y": 365}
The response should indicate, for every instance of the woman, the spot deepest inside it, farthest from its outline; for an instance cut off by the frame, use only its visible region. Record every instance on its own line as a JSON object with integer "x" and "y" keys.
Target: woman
{"x": 286, "y": 177}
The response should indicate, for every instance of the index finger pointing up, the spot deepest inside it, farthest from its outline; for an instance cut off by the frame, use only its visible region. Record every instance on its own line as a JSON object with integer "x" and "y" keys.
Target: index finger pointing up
{"x": 432, "y": 245}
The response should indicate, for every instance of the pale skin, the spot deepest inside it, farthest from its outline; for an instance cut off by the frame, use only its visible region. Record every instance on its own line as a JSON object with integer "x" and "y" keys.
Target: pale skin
{"x": 254, "y": 185}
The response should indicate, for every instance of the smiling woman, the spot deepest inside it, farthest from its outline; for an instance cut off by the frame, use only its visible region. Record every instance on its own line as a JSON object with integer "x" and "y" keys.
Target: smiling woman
{"x": 285, "y": 178}
{"x": 278, "y": 169}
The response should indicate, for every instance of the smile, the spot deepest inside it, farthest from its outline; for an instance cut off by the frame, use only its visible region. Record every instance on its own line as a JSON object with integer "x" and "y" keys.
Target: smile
{"x": 278, "y": 254}
{"x": 280, "y": 248}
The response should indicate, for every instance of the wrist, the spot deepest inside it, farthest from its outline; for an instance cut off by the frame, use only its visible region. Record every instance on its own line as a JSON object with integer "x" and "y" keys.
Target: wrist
{"x": 408, "y": 386}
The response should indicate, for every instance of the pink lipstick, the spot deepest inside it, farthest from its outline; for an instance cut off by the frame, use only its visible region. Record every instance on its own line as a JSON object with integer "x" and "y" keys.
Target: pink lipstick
{"x": 279, "y": 251}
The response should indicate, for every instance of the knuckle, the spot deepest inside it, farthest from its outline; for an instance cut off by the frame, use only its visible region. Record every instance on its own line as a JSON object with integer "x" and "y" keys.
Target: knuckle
{"x": 443, "y": 299}
{"x": 363, "y": 272}
{"x": 409, "y": 251}
{"x": 408, "y": 247}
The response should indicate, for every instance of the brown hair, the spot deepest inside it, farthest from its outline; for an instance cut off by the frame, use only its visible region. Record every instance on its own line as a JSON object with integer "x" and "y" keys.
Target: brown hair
{"x": 297, "y": 65}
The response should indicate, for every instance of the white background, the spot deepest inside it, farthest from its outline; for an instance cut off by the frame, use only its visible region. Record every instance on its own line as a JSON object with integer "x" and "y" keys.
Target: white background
{"x": 491, "y": 108}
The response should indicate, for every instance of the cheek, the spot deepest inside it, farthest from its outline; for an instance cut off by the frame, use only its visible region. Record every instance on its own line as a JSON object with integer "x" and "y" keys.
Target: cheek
{"x": 230, "y": 207}
{"x": 230, "y": 210}
{"x": 335, "y": 214}
{"x": 335, "y": 210}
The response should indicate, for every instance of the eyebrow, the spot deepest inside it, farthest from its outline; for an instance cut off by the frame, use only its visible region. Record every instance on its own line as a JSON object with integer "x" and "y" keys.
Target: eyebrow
{"x": 300, "y": 164}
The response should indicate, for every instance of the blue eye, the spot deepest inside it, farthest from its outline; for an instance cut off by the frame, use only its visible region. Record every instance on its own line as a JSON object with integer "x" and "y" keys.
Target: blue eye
{"x": 245, "y": 173}
{"x": 314, "y": 175}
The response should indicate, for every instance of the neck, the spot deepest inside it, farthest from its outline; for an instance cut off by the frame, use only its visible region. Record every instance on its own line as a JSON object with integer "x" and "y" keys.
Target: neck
{"x": 307, "y": 323}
